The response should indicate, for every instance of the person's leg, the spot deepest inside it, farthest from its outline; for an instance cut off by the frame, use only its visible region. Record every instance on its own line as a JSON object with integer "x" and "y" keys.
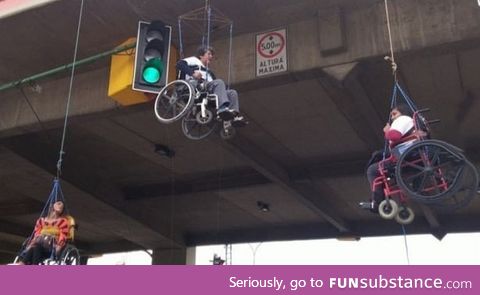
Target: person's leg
{"x": 26, "y": 256}
{"x": 377, "y": 193}
{"x": 39, "y": 254}
{"x": 238, "y": 120}
{"x": 218, "y": 87}
{"x": 233, "y": 99}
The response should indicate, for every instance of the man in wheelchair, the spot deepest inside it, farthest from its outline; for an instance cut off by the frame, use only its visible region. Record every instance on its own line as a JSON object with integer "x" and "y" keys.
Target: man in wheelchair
{"x": 49, "y": 237}
{"x": 196, "y": 69}
{"x": 398, "y": 134}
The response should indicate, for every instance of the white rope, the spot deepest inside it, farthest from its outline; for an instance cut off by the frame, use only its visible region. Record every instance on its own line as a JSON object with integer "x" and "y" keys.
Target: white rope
{"x": 230, "y": 56}
{"x": 406, "y": 244}
{"x": 391, "y": 57}
{"x": 61, "y": 153}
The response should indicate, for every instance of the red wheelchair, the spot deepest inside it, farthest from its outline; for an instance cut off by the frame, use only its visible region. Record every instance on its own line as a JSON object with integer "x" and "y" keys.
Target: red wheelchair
{"x": 424, "y": 170}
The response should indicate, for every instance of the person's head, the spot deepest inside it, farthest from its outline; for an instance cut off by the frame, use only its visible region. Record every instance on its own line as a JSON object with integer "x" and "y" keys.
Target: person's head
{"x": 400, "y": 110}
{"x": 205, "y": 54}
{"x": 58, "y": 207}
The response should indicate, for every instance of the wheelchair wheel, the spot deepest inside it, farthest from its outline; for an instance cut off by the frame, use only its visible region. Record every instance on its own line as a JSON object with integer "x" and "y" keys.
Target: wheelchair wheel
{"x": 196, "y": 129}
{"x": 388, "y": 209}
{"x": 468, "y": 184}
{"x": 70, "y": 256}
{"x": 405, "y": 215}
{"x": 173, "y": 101}
{"x": 429, "y": 171}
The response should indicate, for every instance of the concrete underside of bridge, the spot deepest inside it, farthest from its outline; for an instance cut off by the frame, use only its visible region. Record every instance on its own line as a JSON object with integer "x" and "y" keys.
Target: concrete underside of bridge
{"x": 311, "y": 132}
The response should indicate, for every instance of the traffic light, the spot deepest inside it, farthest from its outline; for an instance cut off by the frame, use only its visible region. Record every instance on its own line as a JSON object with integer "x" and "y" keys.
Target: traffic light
{"x": 151, "y": 56}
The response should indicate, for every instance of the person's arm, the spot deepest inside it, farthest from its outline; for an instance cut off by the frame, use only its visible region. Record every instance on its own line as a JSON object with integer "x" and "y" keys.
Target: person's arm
{"x": 393, "y": 135}
{"x": 38, "y": 227}
{"x": 183, "y": 67}
{"x": 62, "y": 233}
{"x": 399, "y": 128}
{"x": 212, "y": 75}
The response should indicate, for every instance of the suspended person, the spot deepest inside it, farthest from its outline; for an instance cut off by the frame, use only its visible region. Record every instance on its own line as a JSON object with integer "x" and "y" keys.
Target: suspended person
{"x": 197, "y": 68}
{"x": 49, "y": 236}
{"x": 402, "y": 126}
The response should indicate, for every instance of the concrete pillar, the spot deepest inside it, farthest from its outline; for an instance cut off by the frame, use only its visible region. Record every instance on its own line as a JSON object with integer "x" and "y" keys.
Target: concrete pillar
{"x": 176, "y": 256}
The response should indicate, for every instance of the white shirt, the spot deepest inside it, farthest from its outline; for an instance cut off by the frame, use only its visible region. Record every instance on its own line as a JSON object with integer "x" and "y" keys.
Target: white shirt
{"x": 402, "y": 124}
{"x": 197, "y": 63}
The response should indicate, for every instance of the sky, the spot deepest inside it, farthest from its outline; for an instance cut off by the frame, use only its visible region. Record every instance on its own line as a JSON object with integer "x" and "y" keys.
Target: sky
{"x": 453, "y": 249}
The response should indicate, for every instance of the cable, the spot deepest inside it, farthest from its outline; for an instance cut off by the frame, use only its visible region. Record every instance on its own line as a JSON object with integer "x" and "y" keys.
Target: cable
{"x": 62, "y": 152}
{"x": 230, "y": 56}
{"x": 35, "y": 113}
{"x": 406, "y": 244}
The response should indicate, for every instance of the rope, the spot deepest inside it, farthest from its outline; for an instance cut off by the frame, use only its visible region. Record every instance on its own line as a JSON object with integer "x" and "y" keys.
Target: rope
{"x": 391, "y": 57}
{"x": 230, "y": 56}
{"x": 180, "y": 37}
{"x": 406, "y": 244}
{"x": 62, "y": 152}
{"x": 209, "y": 15}
{"x": 219, "y": 191}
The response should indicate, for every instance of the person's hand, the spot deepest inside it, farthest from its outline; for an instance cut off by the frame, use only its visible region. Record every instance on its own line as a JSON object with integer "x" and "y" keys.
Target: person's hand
{"x": 197, "y": 75}
{"x": 386, "y": 128}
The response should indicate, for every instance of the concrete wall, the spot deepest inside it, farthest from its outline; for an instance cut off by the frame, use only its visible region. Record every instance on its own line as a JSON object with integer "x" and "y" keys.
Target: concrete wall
{"x": 352, "y": 35}
{"x": 334, "y": 37}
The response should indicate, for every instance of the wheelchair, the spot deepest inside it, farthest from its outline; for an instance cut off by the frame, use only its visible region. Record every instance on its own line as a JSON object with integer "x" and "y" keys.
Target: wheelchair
{"x": 190, "y": 101}
{"x": 69, "y": 255}
{"x": 427, "y": 171}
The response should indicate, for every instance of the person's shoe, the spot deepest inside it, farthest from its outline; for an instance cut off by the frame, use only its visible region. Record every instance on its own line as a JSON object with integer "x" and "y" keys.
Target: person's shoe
{"x": 225, "y": 113}
{"x": 366, "y": 205}
{"x": 239, "y": 121}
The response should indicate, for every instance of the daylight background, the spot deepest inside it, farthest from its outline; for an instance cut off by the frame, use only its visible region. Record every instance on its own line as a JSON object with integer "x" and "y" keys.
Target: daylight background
{"x": 453, "y": 249}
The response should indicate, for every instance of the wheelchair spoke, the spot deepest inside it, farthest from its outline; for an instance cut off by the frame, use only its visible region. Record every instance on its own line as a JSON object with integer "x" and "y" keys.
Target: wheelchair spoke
{"x": 411, "y": 177}
{"x": 435, "y": 157}
{"x": 413, "y": 165}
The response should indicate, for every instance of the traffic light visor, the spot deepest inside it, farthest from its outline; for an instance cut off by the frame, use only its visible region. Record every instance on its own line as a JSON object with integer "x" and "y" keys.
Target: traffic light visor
{"x": 153, "y": 49}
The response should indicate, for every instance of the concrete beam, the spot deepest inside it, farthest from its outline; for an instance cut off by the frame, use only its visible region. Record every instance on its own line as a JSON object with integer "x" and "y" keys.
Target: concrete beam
{"x": 305, "y": 191}
{"x": 89, "y": 95}
{"x": 354, "y": 104}
{"x": 15, "y": 229}
{"x": 365, "y": 228}
{"x": 361, "y": 33}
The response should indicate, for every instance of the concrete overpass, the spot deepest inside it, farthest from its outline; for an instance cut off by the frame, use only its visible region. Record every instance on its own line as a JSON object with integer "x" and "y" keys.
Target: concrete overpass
{"x": 312, "y": 128}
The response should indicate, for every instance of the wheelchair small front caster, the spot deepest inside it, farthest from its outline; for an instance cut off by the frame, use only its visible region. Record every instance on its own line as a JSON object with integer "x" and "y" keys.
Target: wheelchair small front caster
{"x": 388, "y": 209}
{"x": 204, "y": 120}
{"x": 405, "y": 215}
{"x": 227, "y": 133}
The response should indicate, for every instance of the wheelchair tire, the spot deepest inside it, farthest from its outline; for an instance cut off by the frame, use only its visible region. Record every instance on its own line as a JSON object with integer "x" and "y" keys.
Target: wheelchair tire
{"x": 429, "y": 171}
{"x": 173, "y": 101}
{"x": 195, "y": 130}
{"x": 405, "y": 215}
{"x": 70, "y": 255}
{"x": 468, "y": 187}
{"x": 388, "y": 209}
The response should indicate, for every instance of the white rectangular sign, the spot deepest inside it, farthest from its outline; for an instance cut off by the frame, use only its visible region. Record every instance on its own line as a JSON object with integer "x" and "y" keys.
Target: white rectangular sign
{"x": 271, "y": 52}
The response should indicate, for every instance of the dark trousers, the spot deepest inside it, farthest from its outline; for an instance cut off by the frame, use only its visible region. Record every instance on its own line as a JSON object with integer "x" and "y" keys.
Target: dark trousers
{"x": 35, "y": 254}
{"x": 377, "y": 192}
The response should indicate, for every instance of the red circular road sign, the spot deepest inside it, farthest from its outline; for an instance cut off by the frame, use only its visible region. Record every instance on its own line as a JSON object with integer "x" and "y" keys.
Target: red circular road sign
{"x": 271, "y": 44}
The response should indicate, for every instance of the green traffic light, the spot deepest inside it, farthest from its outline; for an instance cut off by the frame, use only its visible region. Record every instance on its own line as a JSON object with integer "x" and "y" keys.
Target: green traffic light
{"x": 153, "y": 70}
